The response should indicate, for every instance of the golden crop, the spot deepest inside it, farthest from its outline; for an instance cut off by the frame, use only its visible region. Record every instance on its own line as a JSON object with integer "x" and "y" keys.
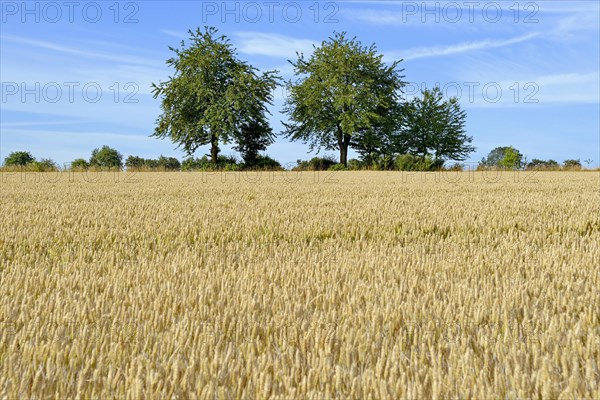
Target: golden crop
{"x": 300, "y": 285}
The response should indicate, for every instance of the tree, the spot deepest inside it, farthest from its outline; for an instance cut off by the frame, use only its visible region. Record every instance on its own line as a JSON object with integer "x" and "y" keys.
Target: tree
{"x": 169, "y": 163}
{"x": 572, "y": 164}
{"x": 503, "y": 158}
{"x": 254, "y": 136}
{"x": 106, "y": 157}
{"x": 79, "y": 163}
{"x": 135, "y": 162}
{"x": 45, "y": 165}
{"x": 18, "y": 158}
{"x": 343, "y": 89}
{"x": 378, "y": 142}
{"x": 212, "y": 94}
{"x": 432, "y": 126}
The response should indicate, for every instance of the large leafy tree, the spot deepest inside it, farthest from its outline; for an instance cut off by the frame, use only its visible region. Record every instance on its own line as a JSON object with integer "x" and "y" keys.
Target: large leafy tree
{"x": 434, "y": 128}
{"x": 342, "y": 90}
{"x": 212, "y": 96}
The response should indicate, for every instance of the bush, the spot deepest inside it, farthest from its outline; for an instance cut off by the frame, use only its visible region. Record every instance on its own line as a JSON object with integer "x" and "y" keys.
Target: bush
{"x": 169, "y": 163}
{"x": 79, "y": 164}
{"x": 45, "y": 165}
{"x": 338, "y": 167}
{"x": 409, "y": 162}
{"x": 383, "y": 163}
{"x": 226, "y": 163}
{"x": 456, "y": 167}
{"x": 572, "y": 165}
{"x": 264, "y": 162}
{"x": 315, "y": 164}
{"x": 18, "y": 158}
{"x": 355, "y": 165}
{"x": 135, "y": 162}
{"x": 537, "y": 164}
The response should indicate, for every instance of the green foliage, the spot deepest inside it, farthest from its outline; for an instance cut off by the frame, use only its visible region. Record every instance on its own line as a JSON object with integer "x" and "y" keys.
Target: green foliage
{"x": 512, "y": 159}
{"x": 18, "y": 158}
{"x": 254, "y": 137}
{"x": 263, "y": 162}
{"x": 456, "y": 167}
{"x": 343, "y": 89}
{"x": 503, "y": 158}
{"x": 45, "y": 165}
{"x": 356, "y": 165}
{"x": 383, "y": 163}
{"x": 169, "y": 163}
{"x": 537, "y": 164}
{"x": 226, "y": 163}
{"x": 338, "y": 167}
{"x": 106, "y": 157}
{"x": 410, "y": 162}
{"x": 315, "y": 164}
{"x": 213, "y": 97}
{"x": 79, "y": 164}
{"x": 434, "y": 126}
{"x": 162, "y": 164}
{"x": 572, "y": 164}
{"x": 135, "y": 163}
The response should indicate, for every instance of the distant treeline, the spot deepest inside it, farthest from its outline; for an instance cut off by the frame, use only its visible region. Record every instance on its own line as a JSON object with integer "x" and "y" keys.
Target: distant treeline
{"x": 107, "y": 158}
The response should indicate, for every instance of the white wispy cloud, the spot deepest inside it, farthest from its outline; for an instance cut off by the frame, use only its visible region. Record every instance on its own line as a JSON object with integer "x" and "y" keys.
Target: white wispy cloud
{"x": 121, "y": 58}
{"x": 272, "y": 44}
{"x": 175, "y": 34}
{"x": 465, "y": 47}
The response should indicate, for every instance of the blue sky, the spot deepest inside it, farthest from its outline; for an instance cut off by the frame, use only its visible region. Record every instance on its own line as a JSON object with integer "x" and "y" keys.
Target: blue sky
{"x": 78, "y": 75}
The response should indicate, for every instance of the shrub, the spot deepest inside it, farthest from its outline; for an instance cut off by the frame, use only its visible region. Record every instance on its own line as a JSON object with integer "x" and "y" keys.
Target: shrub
{"x": 45, "y": 165}
{"x": 316, "y": 164}
{"x": 264, "y": 162}
{"x": 79, "y": 164}
{"x": 338, "y": 167}
{"x": 410, "y": 162}
{"x": 169, "y": 163}
{"x": 383, "y": 163}
{"x": 456, "y": 167}
{"x": 572, "y": 165}
{"x": 537, "y": 164}
{"x": 135, "y": 162}
{"x": 227, "y": 163}
{"x": 355, "y": 165}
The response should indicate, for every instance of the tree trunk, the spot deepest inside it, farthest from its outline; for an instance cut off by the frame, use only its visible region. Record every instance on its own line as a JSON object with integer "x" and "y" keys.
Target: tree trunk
{"x": 343, "y": 142}
{"x": 344, "y": 155}
{"x": 214, "y": 151}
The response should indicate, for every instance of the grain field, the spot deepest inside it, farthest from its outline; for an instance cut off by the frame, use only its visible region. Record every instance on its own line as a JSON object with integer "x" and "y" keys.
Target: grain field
{"x": 303, "y": 285}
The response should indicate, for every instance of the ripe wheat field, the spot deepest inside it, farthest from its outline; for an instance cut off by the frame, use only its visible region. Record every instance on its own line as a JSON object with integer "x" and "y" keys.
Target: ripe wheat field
{"x": 289, "y": 285}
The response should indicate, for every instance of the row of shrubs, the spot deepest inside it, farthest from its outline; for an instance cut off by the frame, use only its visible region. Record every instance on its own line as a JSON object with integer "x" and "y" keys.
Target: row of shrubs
{"x": 409, "y": 162}
{"x": 107, "y": 158}
{"x": 402, "y": 162}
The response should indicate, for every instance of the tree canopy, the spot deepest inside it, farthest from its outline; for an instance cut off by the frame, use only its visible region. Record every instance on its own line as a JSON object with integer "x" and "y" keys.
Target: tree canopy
{"x": 213, "y": 96}
{"x": 432, "y": 126}
{"x": 503, "y": 158}
{"x": 342, "y": 89}
{"x": 106, "y": 157}
{"x": 19, "y": 158}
